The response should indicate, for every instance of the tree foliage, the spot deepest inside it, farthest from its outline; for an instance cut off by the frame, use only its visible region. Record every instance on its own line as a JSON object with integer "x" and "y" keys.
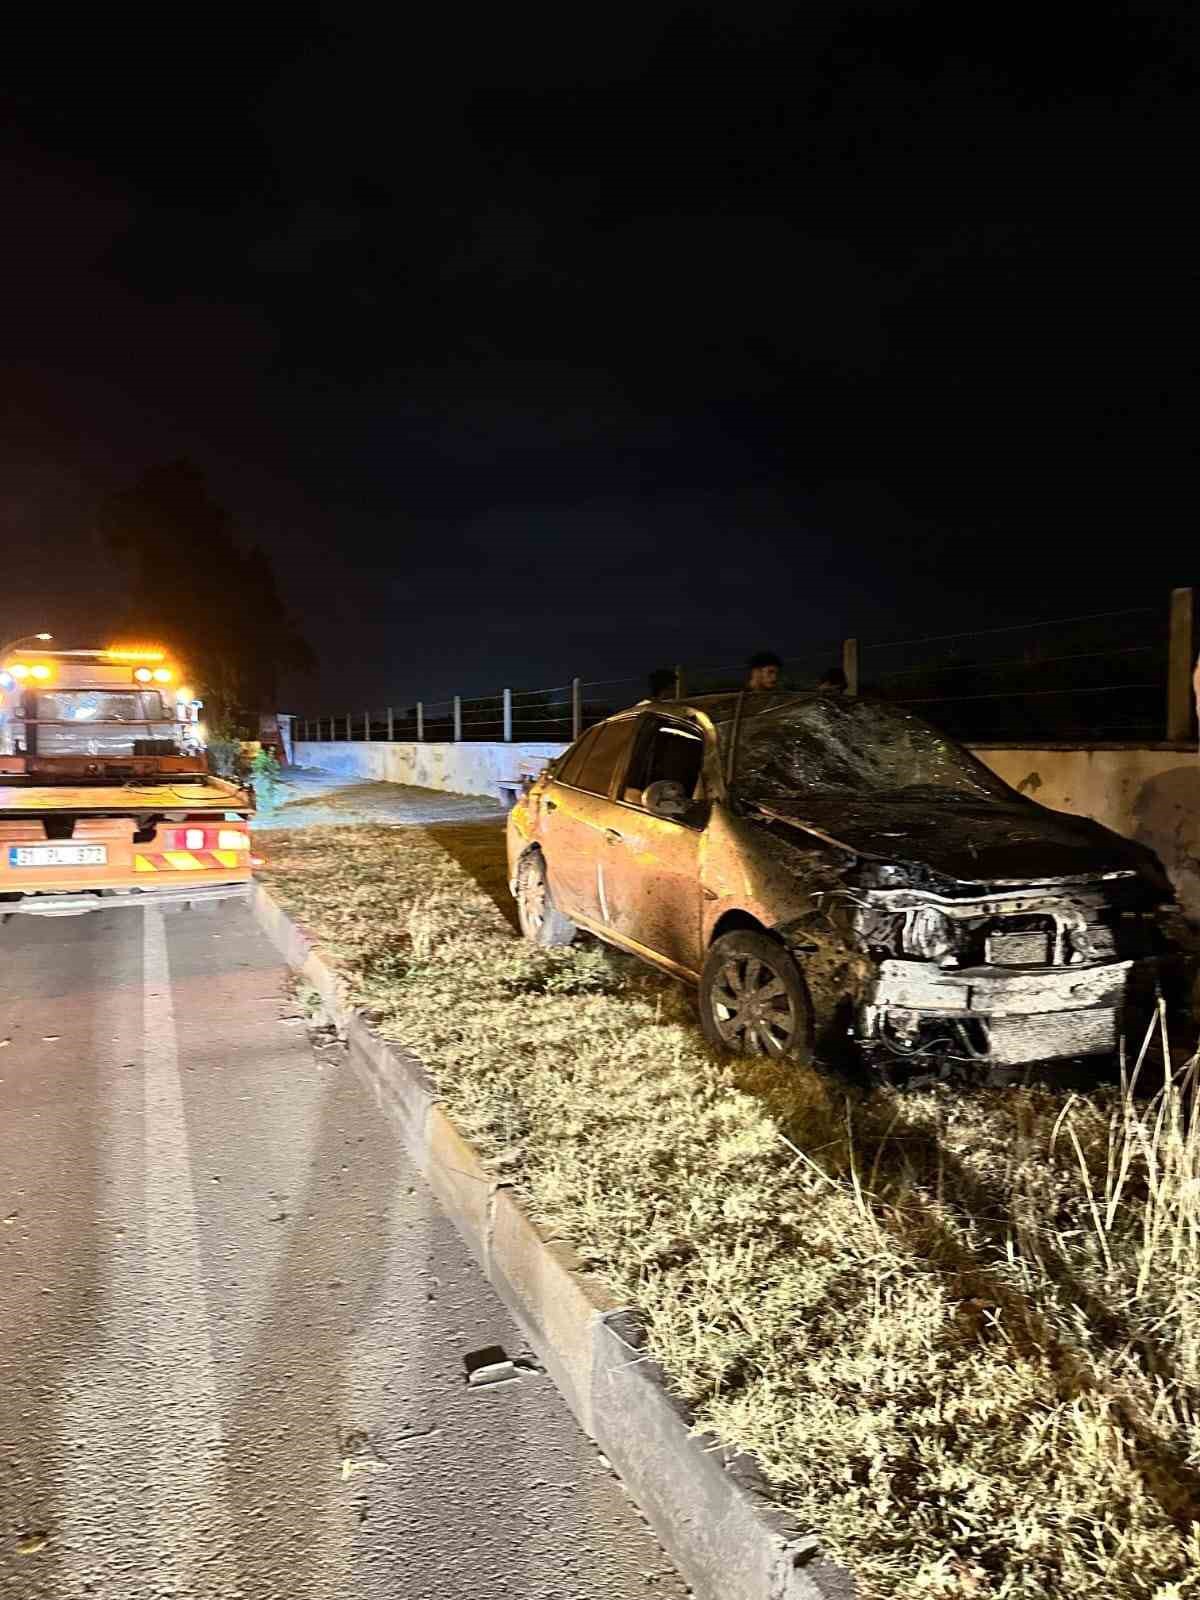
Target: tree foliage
{"x": 210, "y": 597}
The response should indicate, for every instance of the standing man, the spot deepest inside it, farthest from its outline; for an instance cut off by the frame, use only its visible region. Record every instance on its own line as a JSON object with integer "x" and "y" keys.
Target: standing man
{"x": 764, "y": 670}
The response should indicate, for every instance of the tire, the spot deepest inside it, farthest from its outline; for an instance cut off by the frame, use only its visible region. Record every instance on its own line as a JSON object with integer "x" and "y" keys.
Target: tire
{"x": 738, "y": 1017}
{"x": 541, "y": 922}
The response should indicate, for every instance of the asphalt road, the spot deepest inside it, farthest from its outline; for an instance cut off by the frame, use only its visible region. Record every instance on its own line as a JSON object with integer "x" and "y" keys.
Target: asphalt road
{"x": 233, "y": 1323}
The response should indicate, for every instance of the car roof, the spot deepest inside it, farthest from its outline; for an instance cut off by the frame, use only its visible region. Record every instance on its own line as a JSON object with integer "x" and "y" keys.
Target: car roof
{"x": 720, "y": 707}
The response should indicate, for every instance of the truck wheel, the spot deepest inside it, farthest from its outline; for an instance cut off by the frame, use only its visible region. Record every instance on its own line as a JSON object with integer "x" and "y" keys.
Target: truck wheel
{"x": 541, "y": 922}
{"x": 753, "y": 999}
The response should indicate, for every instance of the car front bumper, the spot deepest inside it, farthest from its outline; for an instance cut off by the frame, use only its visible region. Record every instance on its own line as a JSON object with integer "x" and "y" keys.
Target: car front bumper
{"x": 1007, "y": 1016}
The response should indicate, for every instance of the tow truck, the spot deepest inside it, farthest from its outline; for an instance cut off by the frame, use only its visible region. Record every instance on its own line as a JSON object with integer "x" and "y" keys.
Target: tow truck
{"x": 106, "y": 798}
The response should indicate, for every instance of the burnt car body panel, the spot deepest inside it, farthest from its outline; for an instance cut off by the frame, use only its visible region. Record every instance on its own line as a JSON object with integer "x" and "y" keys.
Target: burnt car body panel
{"x": 950, "y": 914}
{"x": 969, "y": 844}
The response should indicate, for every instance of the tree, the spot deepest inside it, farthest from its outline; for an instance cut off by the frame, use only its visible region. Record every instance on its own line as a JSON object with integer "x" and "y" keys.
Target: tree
{"x": 196, "y": 587}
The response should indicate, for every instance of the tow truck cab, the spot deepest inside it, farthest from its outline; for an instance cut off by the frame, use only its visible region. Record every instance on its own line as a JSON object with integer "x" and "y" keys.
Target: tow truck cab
{"x": 105, "y": 792}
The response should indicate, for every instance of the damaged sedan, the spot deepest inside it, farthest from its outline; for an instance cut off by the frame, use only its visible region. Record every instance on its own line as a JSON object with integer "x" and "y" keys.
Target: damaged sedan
{"x": 832, "y": 871}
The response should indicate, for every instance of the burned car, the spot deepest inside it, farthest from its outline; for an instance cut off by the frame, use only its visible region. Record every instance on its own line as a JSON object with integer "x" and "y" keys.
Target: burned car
{"x": 827, "y": 869}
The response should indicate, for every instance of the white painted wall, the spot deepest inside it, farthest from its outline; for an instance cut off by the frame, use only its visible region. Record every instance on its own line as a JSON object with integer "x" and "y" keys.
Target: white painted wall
{"x": 466, "y": 768}
{"x": 1149, "y": 793}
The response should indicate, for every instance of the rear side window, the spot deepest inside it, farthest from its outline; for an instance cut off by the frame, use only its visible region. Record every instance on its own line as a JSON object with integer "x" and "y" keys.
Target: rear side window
{"x": 575, "y": 757}
{"x": 604, "y": 755}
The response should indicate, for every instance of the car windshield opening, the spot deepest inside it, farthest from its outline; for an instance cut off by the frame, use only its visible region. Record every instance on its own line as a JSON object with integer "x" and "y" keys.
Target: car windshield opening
{"x": 831, "y": 745}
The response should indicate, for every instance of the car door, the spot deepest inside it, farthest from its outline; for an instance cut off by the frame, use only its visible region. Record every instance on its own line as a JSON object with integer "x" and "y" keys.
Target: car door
{"x": 651, "y": 863}
{"x": 578, "y": 810}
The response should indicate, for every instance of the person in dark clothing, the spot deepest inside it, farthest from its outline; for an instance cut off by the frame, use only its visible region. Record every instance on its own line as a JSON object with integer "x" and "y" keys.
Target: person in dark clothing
{"x": 763, "y": 670}
{"x": 832, "y": 681}
{"x": 662, "y": 684}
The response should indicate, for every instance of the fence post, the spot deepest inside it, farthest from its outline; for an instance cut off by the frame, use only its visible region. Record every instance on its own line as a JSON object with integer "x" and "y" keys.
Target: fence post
{"x": 366, "y": 725}
{"x": 458, "y": 719}
{"x": 576, "y": 708}
{"x": 850, "y": 664}
{"x": 680, "y": 687}
{"x": 391, "y": 726}
{"x": 508, "y": 716}
{"x": 1180, "y": 660}
{"x": 349, "y": 730}
{"x": 420, "y": 721}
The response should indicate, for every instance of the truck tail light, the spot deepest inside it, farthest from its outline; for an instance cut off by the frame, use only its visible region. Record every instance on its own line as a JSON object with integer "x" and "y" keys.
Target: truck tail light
{"x": 193, "y": 839}
{"x": 233, "y": 839}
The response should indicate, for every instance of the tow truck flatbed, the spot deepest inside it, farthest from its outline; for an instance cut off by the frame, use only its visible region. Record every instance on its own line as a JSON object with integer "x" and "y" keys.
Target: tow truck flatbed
{"x": 123, "y": 799}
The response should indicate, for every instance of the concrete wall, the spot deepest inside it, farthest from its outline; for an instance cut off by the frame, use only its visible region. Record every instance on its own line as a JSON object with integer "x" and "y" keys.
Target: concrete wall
{"x": 1148, "y": 792}
{"x": 467, "y": 768}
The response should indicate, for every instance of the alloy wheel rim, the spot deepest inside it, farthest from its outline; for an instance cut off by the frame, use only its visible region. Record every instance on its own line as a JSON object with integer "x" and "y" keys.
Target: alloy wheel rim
{"x": 752, "y": 1008}
{"x": 533, "y": 898}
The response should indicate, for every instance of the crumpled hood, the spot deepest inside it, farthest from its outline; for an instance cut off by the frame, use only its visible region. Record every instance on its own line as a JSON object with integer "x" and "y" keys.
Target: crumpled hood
{"x": 969, "y": 841}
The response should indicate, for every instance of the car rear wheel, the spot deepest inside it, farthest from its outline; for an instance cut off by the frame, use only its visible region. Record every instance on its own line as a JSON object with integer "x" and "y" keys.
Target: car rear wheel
{"x": 541, "y": 922}
{"x": 753, "y": 999}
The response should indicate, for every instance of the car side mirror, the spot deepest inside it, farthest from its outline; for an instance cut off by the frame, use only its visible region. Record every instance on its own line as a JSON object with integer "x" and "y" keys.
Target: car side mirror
{"x": 667, "y": 798}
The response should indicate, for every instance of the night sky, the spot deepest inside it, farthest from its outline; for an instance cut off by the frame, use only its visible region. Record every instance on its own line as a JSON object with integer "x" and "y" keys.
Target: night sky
{"x": 533, "y": 342}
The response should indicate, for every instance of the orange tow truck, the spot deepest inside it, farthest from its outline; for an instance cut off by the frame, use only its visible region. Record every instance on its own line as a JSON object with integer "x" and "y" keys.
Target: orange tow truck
{"x": 106, "y": 799}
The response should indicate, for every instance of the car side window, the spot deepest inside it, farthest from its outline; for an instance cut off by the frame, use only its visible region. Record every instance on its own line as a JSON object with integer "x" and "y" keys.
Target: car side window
{"x": 604, "y": 755}
{"x": 575, "y": 757}
{"x": 665, "y": 752}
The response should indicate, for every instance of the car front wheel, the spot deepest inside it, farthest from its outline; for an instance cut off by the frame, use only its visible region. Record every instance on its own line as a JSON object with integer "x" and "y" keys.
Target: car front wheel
{"x": 753, "y": 999}
{"x": 541, "y": 922}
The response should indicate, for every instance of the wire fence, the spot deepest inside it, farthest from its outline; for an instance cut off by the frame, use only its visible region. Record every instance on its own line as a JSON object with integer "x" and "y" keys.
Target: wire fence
{"x": 1120, "y": 675}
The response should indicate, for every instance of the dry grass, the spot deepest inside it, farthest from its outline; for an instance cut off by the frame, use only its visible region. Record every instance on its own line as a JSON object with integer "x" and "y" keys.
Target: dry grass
{"x": 962, "y": 1334}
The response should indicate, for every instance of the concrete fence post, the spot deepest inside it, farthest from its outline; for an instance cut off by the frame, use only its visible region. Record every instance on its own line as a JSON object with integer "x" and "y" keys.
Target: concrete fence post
{"x": 508, "y": 716}
{"x": 576, "y": 708}
{"x": 458, "y": 719}
{"x": 420, "y": 720}
{"x": 349, "y": 729}
{"x": 366, "y": 725}
{"x": 391, "y": 726}
{"x": 680, "y": 684}
{"x": 1180, "y": 660}
{"x": 850, "y": 664}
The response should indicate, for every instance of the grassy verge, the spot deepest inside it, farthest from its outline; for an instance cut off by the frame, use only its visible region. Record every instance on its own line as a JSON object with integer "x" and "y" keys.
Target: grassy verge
{"x": 962, "y": 1334}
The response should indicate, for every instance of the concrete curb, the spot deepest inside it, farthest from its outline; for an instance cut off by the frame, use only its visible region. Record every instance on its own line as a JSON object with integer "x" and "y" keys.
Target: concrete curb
{"x": 709, "y": 1507}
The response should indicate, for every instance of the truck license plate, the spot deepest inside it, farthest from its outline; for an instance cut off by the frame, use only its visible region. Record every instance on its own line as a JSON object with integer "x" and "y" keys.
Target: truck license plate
{"x": 57, "y": 855}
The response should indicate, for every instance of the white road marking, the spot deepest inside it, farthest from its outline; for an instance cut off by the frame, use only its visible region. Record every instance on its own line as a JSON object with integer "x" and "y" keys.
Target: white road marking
{"x": 143, "y": 1497}
{"x": 178, "y": 1351}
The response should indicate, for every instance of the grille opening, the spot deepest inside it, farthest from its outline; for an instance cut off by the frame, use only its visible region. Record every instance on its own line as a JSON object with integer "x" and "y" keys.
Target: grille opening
{"x": 1027, "y": 940}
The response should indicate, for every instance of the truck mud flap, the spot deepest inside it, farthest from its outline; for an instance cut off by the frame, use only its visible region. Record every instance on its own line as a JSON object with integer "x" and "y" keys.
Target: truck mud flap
{"x": 75, "y": 905}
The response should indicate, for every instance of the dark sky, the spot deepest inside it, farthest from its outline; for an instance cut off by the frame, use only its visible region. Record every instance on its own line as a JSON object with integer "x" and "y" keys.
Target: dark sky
{"x": 538, "y": 341}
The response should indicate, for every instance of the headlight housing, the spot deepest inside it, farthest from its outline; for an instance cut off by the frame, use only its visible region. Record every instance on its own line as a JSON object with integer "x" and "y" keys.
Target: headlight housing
{"x": 928, "y": 933}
